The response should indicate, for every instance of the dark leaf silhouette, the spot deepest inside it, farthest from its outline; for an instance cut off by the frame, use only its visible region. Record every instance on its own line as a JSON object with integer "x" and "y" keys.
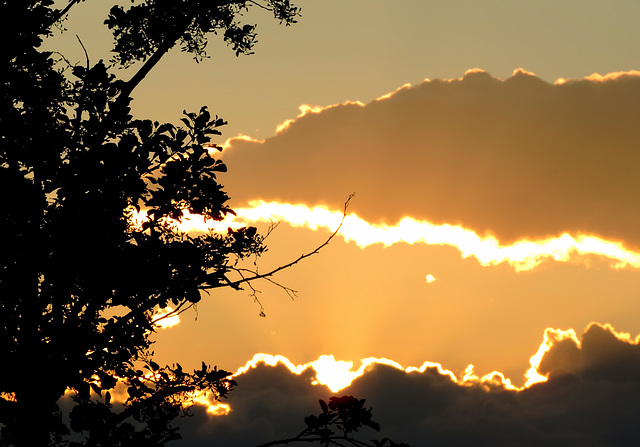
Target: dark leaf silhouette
{"x": 81, "y": 284}
{"x": 337, "y": 425}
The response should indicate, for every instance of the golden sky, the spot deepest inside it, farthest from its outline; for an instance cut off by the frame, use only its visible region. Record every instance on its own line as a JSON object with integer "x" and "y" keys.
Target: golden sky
{"x": 492, "y": 204}
{"x": 519, "y": 198}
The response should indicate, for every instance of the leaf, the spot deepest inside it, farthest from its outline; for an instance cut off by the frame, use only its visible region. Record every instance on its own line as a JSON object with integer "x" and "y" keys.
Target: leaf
{"x": 166, "y": 127}
{"x": 312, "y": 422}
{"x": 323, "y": 405}
{"x": 220, "y": 167}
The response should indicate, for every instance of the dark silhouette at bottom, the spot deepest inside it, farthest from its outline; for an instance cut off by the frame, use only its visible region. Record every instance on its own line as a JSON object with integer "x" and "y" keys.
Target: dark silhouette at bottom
{"x": 335, "y": 425}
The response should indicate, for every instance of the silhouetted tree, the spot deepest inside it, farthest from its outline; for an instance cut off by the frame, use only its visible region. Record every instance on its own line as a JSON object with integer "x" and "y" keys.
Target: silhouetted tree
{"x": 80, "y": 283}
{"x": 340, "y": 419}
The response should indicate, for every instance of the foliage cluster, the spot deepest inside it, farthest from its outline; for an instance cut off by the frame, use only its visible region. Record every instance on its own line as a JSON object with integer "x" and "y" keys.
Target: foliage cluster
{"x": 340, "y": 419}
{"x": 80, "y": 283}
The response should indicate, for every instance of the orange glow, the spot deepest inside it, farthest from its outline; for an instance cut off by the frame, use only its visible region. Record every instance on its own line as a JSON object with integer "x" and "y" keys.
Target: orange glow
{"x": 219, "y": 409}
{"x": 207, "y": 400}
{"x": 9, "y": 397}
{"x": 551, "y": 336}
{"x": 166, "y": 318}
{"x": 430, "y": 278}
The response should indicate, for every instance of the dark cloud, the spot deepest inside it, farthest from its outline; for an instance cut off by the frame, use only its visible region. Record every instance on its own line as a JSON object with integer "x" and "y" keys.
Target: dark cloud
{"x": 591, "y": 399}
{"x": 269, "y": 403}
{"x": 602, "y": 356}
{"x": 517, "y": 158}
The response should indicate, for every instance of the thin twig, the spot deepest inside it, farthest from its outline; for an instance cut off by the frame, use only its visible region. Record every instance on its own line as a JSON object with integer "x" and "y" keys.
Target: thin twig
{"x": 246, "y": 280}
{"x": 291, "y": 292}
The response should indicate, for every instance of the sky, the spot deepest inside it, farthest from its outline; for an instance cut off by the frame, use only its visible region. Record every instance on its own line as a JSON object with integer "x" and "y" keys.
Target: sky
{"x": 492, "y": 147}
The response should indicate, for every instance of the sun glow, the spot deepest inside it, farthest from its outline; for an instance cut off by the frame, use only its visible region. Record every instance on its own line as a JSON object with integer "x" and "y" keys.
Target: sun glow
{"x": 339, "y": 374}
{"x": 334, "y": 374}
{"x": 207, "y": 400}
{"x": 166, "y": 318}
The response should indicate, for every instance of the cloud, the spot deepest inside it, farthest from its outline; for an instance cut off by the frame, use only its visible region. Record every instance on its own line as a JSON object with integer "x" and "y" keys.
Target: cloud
{"x": 517, "y": 158}
{"x": 522, "y": 255}
{"x": 591, "y": 398}
{"x": 602, "y": 355}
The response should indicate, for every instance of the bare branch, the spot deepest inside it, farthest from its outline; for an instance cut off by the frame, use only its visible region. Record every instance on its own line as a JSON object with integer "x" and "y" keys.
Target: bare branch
{"x": 256, "y": 276}
{"x": 260, "y": 5}
{"x": 83, "y": 93}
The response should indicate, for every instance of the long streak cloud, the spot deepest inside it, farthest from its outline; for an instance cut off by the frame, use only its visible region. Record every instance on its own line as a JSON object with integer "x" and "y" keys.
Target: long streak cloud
{"x": 522, "y": 255}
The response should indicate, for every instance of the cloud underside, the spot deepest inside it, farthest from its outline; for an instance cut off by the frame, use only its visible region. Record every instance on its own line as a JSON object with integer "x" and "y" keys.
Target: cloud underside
{"x": 592, "y": 397}
{"x": 518, "y": 158}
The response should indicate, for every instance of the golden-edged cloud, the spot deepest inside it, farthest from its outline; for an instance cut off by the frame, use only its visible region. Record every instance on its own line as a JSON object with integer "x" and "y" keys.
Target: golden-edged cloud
{"x": 517, "y": 159}
{"x": 552, "y": 355}
{"x": 339, "y": 374}
{"x": 522, "y": 254}
{"x": 589, "y": 396}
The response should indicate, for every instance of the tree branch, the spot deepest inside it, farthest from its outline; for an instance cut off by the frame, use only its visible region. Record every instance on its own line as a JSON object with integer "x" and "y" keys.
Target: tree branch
{"x": 83, "y": 93}
{"x": 158, "y": 396}
{"x": 64, "y": 11}
{"x": 146, "y": 68}
{"x": 257, "y": 276}
{"x": 151, "y": 62}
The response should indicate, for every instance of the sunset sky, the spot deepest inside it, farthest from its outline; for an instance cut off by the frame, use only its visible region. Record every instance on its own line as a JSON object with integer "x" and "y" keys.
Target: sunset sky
{"x": 493, "y": 149}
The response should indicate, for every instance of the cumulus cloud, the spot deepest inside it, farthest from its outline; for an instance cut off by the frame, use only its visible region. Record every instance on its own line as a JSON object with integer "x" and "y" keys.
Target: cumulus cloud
{"x": 592, "y": 398}
{"x": 517, "y": 158}
{"x": 602, "y": 355}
